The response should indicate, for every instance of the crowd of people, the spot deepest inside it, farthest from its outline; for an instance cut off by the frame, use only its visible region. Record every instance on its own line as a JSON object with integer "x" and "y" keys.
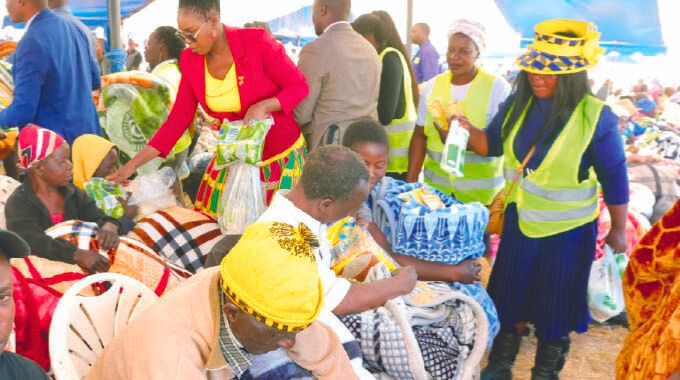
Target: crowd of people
{"x": 351, "y": 166}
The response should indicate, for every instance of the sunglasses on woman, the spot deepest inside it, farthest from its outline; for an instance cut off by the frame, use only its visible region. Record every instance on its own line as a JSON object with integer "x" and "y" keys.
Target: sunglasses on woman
{"x": 191, "y": 38}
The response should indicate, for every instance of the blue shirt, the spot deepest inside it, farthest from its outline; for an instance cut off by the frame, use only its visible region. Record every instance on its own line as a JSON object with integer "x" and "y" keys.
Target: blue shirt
{"x": 54, "y": 76}
{"x": 605, "y": 152}
{"x": 426, "y": 62}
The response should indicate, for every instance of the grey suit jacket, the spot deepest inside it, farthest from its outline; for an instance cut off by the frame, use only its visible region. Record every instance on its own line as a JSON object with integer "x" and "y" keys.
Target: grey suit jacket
{"x": 343, "y": 72}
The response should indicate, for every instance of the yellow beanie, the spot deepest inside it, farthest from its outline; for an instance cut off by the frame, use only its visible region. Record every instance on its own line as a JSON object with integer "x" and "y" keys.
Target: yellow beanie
{"x": 272, "y": 275}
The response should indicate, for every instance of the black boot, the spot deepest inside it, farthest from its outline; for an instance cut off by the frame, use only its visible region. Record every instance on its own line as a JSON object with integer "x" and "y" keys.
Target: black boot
{"x": 550, "y": 358}
{"x": 502, "y": 358}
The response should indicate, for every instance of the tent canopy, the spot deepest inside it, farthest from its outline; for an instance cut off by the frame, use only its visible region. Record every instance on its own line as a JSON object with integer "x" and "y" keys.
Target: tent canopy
{"x": 627, "y": 26}
{"x": 94, "y": 13}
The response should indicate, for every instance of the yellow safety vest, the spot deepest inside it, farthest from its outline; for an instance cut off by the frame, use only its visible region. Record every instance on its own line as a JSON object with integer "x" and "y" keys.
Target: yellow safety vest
{"x": 399, "y": 131}
{"x": 169, "y": 72}
{"x": 551, "y": 200}
{"x": 483, "y": 176}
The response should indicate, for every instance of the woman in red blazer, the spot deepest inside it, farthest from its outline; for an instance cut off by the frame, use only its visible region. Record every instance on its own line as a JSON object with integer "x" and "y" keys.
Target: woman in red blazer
{"x": 265, "y": 81}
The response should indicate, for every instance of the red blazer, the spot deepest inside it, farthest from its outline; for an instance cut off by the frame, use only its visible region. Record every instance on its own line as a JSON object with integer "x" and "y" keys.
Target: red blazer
{"x": 263, "y": 70}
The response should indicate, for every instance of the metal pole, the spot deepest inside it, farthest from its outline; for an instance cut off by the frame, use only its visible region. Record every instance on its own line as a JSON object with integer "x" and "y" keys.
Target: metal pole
{"x": 409, "y": 25}
{"x": 115, "y": 24}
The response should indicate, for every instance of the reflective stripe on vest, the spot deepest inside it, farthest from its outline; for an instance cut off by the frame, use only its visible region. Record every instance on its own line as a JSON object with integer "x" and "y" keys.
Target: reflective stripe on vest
{"x": 479, "y": 172}
{"x": 550, "y": 200}
{"x": 436, "y": 180}
{"x": 400, "y": 131}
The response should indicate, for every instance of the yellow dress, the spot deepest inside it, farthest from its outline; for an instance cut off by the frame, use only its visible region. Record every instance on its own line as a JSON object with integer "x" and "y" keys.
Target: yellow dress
{"x": 221, "y": 95}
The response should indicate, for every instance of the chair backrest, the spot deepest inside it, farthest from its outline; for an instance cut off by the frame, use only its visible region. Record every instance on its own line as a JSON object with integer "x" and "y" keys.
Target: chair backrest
{"x": 82, "y": 326}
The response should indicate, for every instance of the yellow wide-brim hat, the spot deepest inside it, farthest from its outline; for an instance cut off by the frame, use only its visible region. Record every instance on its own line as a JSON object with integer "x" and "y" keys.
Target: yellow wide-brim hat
{"x": 552, "y": 53}
{"x": 272, "y": 275}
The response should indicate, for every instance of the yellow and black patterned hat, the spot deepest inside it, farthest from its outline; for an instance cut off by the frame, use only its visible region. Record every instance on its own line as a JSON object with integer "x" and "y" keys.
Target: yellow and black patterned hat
{"x": 551, "y": 53}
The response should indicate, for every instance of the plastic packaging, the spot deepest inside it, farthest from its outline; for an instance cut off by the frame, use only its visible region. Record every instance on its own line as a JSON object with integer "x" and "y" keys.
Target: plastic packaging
{"x": 153, "y": 192}
{"x": 242, "y": 201}
{"x": 605, "y": 287}
{"x": 105, "y": 194}
{"x": 453, "y": 155}
{"x": 239, "y": 142}
{"x": 355, "y": 251}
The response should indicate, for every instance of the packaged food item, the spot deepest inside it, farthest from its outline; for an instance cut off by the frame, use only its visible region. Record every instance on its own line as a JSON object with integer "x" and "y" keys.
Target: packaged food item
{"x": 442, "y": 112}
{"x": 105, "y": 194}
{"x": 241, "y": 142}
{"x": 152, "y": 192}
{"x": 424, "y": 197}
{"x": 453, "y": 155}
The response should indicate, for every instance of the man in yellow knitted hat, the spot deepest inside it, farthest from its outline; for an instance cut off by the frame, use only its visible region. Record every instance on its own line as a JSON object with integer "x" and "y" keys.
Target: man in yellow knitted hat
{"x": 210, "y": 326}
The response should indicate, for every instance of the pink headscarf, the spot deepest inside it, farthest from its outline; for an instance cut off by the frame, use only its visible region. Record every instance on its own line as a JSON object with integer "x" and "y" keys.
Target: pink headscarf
{"x": 36, "y": 143}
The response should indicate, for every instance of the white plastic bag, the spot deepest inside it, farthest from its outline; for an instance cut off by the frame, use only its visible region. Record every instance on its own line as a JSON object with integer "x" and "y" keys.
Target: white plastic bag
{"x": 605, "y": 287}
{"x": 152, "y": 192}
{"x": 453, "y": 155}
{"x": 242, "y": 200}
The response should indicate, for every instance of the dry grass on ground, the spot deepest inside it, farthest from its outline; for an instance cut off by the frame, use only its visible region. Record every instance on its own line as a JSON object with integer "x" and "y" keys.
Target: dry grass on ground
{"x": 592, "y": 355}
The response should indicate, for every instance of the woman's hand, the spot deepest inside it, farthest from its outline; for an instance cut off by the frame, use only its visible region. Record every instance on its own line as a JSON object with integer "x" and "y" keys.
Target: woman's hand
{"x": 121, "y": 175}
{"x": 91, "y": 262}
{"x": 468, "y": 272}
{"x": 257, "y": 111}
{"x": 108, "y": 236}
{"x": 617, "y": 240}
{"x": 131, "y": 211}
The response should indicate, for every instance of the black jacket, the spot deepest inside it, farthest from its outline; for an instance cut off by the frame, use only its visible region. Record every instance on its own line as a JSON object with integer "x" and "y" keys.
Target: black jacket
{"x": 28, "y": 217}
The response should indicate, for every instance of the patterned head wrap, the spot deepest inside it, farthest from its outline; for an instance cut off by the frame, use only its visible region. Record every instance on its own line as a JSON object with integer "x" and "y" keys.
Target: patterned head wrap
{"x": 36, "y": 143}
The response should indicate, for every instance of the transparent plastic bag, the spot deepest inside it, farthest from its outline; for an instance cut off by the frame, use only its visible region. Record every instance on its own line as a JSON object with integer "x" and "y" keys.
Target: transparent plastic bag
{"x": 453, "y": 155}
{"x": 240, "y": 142}
{"x": 242, "y": 200}
{"x": 605, "y": 285}
{"x": 153, "y": 192}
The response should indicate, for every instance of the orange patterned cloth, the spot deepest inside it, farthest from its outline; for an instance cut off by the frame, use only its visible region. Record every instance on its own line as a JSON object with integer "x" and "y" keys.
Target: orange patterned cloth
{"x": 651, "y": 286}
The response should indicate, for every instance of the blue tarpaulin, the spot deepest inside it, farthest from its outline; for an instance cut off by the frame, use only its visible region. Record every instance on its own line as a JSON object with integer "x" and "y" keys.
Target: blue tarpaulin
{"x": 627, "y": 26}
{"x": 94, "y": 13}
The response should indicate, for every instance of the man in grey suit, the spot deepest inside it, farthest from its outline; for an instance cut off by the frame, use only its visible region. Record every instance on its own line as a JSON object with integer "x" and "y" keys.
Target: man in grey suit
{"x": 343, "y": 72}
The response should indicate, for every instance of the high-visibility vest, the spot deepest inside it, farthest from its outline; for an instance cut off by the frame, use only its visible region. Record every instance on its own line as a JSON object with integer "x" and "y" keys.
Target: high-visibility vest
{"x": 399, "y": 131}
{"x": 483, "y": 176}
{"x": 169, "y": 72}
{"x": 551, "y": 200}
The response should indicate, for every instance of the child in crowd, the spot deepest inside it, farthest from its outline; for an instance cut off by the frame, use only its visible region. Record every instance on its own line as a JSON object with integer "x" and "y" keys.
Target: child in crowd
{"x": 47, "y": 197}
{"x": 96, "y": 157}
{"x": 368, "y": 139}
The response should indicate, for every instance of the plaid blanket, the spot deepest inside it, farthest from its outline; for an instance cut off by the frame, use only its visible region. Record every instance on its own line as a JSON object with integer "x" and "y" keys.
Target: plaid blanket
{"x": 183, "y": 236}
{"x": 435, "y": 332}
{"x": 131, "y": 258}
{"x": 7, "y": 187}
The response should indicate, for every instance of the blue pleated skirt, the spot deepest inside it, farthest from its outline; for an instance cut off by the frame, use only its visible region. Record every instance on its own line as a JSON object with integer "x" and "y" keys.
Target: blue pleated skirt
{"x": 543, "y": 281}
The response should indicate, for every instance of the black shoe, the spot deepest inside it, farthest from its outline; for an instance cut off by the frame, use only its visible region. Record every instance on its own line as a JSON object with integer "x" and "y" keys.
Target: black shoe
{"x": 502, "y": 358}
{"x": 550, "y": 358}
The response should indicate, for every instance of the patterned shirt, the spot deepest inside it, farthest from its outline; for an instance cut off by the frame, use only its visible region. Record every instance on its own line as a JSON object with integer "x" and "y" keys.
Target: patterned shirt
{"x": 237, "y": 358}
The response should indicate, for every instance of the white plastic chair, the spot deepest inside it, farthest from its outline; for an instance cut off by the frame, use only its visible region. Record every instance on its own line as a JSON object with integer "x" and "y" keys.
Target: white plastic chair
{"x": 82, "y": 325}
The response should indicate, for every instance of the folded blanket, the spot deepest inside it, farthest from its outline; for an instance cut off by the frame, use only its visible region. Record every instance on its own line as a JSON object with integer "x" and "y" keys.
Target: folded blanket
{"x": 183, "y": 236}
{"x": 435, "y": 332}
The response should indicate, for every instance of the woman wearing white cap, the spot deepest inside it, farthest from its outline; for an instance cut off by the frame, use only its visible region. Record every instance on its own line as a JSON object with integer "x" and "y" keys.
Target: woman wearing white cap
{"x": 479, "y": 93}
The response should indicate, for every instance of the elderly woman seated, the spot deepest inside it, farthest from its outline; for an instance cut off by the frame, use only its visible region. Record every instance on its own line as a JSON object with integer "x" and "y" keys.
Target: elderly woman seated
{"x": 47, "y": 198}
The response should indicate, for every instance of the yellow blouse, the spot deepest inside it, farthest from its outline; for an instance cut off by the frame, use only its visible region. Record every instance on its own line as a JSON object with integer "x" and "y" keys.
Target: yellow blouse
{"x": 221, "y": 95}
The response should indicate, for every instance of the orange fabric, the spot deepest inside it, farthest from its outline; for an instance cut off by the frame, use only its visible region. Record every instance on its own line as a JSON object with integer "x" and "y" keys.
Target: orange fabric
{"x": 651, "y": 287}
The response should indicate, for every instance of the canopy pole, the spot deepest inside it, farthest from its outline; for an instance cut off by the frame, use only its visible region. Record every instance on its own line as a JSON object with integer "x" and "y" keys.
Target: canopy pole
{"x": 115, "y": 24}
{"x": 409, "y": 25}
